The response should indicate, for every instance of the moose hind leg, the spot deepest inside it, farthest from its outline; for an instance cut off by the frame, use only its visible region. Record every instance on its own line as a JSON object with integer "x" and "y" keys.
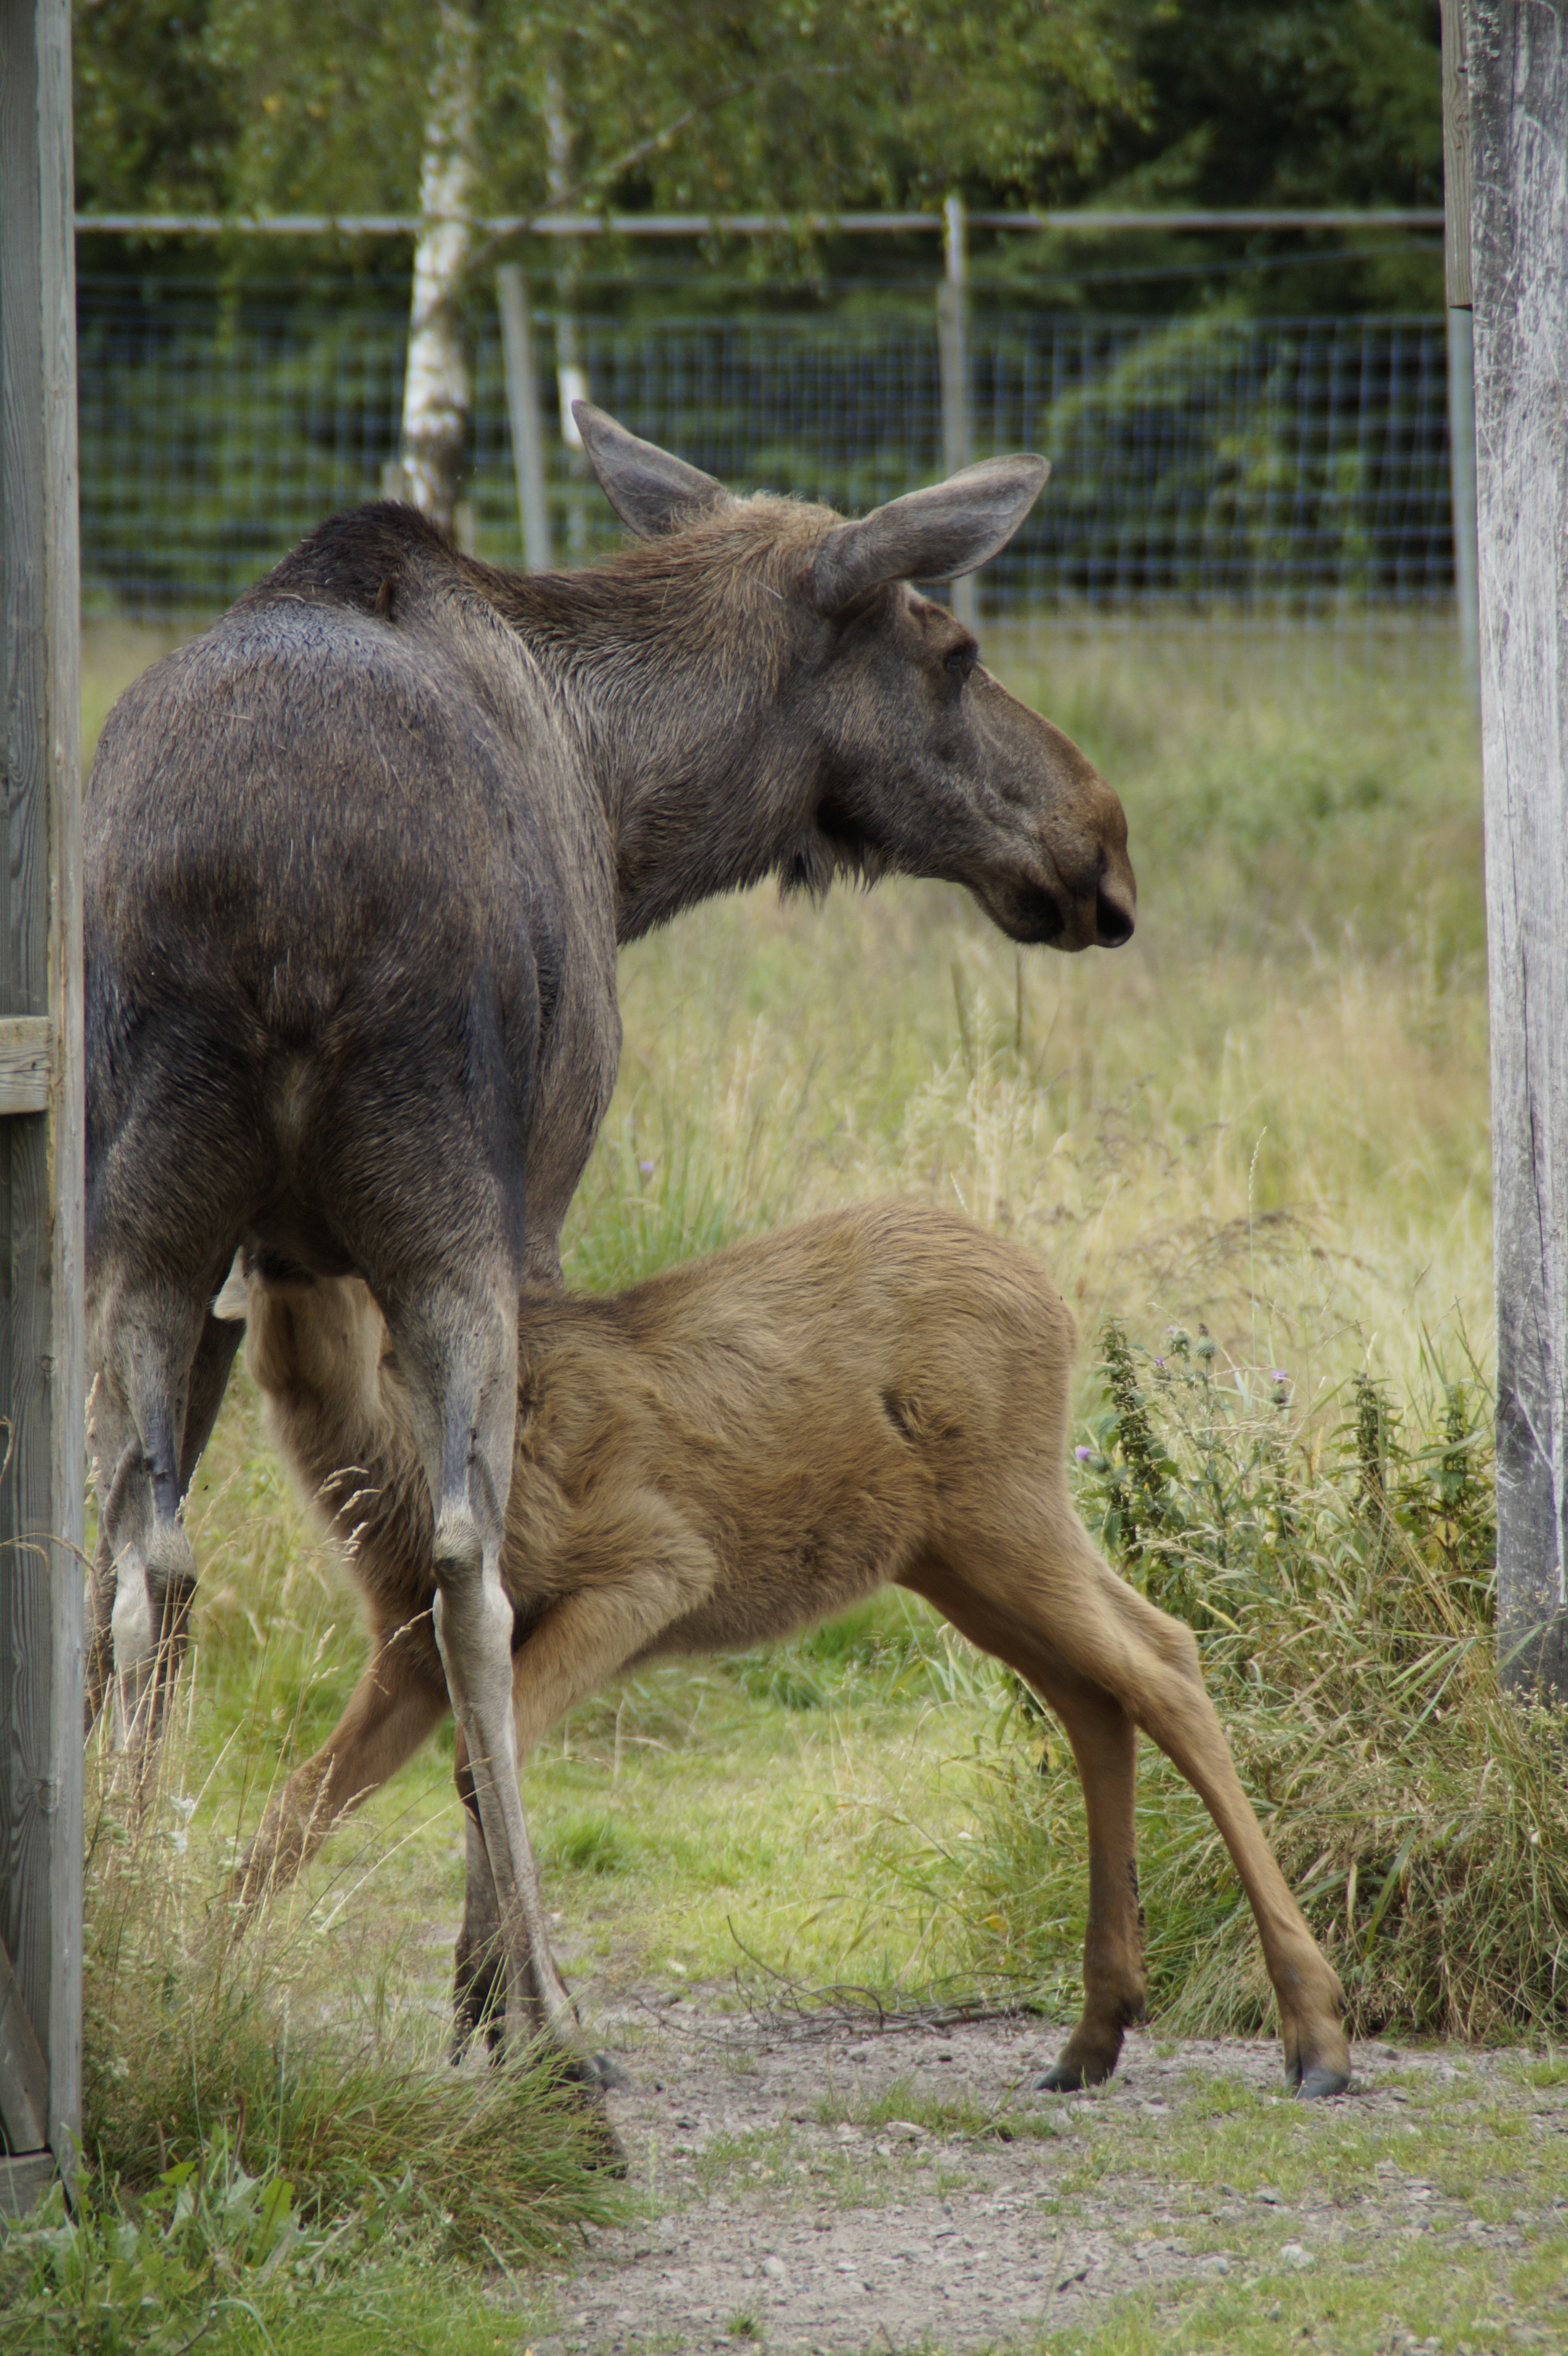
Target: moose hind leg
{"x": 1091, "y": 1629}
{"x": 1165, "y": 1689}
{"x": 478, "y": 1973}
{"x": 144, "y": 1577}
{"x": 458, "y": 1350}
{"x": 1104, "y": 1741}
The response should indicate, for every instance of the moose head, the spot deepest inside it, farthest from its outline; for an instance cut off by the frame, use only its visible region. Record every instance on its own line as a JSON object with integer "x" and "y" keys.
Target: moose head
{"x": 874, "y": 740}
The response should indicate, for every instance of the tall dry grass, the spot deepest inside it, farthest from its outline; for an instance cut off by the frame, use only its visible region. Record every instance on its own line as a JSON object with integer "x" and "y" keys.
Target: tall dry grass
{"x": 290, "y": 2039}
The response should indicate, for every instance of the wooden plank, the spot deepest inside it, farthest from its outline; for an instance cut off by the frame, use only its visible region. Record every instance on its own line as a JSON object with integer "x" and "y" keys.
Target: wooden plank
{"x": 1518, "y": 60}
{"x": 42, "y": 1494}
{"x": 26, "y": 1061}
{"x": 1456, "y": 171}
{"x": 24, "y": 2072}
{"x": 24, "y": 2180}
{"x": 1462, "y": 490}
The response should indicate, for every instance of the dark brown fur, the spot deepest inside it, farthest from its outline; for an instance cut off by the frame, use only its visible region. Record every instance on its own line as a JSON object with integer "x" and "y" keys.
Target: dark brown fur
{"x": 735, "y": 1449}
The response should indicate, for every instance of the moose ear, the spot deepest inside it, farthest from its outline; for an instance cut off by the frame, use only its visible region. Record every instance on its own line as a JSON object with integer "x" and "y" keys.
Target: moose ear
{"x": 931, "y": 535}
{"x": 649, "y": 490}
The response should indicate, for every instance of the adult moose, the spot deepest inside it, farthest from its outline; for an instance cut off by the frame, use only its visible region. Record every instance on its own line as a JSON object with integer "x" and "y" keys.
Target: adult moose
{"x": 358, "y": 860}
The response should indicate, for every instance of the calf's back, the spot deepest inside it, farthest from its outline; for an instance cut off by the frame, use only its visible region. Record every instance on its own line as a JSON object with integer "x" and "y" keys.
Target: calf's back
{"x": 818, "y": 1410}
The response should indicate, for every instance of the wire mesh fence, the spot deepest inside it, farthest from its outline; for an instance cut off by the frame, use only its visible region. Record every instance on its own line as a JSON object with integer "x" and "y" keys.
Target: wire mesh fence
{"x": 1223, "y": 464}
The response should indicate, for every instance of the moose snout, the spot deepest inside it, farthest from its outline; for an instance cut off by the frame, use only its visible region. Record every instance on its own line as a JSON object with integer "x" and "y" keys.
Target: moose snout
{"x": 1113, "y": 919}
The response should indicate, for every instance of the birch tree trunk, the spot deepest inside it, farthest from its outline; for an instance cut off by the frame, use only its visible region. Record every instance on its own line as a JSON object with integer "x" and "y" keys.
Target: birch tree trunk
{"x": 570, "y": 375}
{"x": 436, "y": 389}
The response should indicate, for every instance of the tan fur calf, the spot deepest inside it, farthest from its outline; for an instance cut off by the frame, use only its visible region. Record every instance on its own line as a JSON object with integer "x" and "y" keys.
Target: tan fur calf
{"x": 735, "y": 1449}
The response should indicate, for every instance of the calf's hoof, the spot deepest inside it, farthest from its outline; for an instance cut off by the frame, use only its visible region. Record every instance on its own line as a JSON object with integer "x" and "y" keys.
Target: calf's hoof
{"x": 1316, "y": 2059}
{"x": 1063, "y": 2077}
{"x": 1319, "y": 2083}
{"x": 1323, "y": 2079}
{"x": 1084, "y": 2061}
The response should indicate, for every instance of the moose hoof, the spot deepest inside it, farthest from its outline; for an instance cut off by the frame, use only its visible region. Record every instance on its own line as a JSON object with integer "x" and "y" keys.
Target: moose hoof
{"x": 1084, "y": 2061}
{"x": 1317, "y": 2084}
{"x": 1061, "y": 2078}
{"x": 612, "y": 2077}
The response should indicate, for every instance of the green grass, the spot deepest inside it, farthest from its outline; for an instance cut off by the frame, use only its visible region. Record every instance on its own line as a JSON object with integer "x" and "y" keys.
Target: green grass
{"x": 1269, "y": 1117}
{"x": 1370, "y": 2279}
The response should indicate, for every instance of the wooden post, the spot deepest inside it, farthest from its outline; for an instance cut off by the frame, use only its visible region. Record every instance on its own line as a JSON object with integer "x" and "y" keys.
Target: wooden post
{"x": 1518, "y": 67}
{"x": 1461, "y": 334}
{"x": 523, "y": 409}
{"x": 953, "y": 348}
{"x": 41, "y": 1490}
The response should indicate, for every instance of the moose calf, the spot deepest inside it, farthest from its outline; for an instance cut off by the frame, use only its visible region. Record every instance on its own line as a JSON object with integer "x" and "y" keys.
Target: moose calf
{"x": 735, "y": 1449}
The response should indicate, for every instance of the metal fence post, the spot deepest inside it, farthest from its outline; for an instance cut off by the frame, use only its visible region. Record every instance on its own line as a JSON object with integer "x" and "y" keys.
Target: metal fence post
{"x": 523, "y": 411}
{"x": 42, "y": 1445}
{"x": 952, "y": 339}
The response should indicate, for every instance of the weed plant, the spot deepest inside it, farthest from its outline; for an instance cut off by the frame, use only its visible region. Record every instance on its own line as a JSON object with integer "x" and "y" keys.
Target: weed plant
{"x": 1338, "y": 1575}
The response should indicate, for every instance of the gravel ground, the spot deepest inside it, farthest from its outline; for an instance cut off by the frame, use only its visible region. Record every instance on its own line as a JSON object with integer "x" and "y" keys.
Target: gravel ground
{"x": 771, "y": 2216}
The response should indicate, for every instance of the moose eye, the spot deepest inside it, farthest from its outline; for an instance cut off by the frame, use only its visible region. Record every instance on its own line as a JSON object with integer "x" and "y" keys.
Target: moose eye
{"x": 958, "y": 662}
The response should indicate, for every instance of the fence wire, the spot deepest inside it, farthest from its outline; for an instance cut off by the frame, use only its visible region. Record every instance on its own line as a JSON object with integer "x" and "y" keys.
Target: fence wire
{"x": 1236, "y": 466}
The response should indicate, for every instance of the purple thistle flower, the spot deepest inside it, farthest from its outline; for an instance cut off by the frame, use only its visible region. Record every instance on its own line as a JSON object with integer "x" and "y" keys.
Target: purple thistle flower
{"x": 1083, "y": 1454}
{"x": 646, "y": 1167}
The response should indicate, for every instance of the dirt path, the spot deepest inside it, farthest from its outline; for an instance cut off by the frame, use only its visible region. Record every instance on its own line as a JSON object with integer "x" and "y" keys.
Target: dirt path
{"x": 850, "y": 2191}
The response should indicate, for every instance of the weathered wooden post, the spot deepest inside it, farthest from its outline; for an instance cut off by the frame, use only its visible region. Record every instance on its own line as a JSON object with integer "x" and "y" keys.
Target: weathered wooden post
{"x": 953, "y": 353}
{"x": 1517, "y": 55}
{"x": 41, "y": 1489}
{"x": 1461, "y": 336}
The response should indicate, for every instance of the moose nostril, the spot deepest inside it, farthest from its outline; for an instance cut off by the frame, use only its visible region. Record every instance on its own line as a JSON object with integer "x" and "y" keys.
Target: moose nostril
{"x": 1113, "y": 917}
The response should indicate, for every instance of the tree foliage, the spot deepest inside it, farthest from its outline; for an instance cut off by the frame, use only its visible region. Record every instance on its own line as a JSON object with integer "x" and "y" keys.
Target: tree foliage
{"x": 1249, "y": 103}
{"x": 278, "y": 105}
{"x": 258, "y": 105}
{"x": 1252, "y": 103}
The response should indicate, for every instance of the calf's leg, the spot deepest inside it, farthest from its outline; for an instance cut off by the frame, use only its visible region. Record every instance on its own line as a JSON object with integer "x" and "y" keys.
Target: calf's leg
{"x": 395, "y": 1707}
{"x": 1103, "y": 1741}
{"x": 1060, "y": 1616}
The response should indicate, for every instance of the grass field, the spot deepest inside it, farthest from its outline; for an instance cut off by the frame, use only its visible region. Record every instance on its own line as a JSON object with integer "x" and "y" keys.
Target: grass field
{"x": 1266, "y": 1121}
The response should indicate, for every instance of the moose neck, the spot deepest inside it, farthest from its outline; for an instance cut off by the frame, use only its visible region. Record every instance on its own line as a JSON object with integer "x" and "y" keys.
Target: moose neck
{"x": 706, "y": 793}
{"x": 674, "y": 660}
